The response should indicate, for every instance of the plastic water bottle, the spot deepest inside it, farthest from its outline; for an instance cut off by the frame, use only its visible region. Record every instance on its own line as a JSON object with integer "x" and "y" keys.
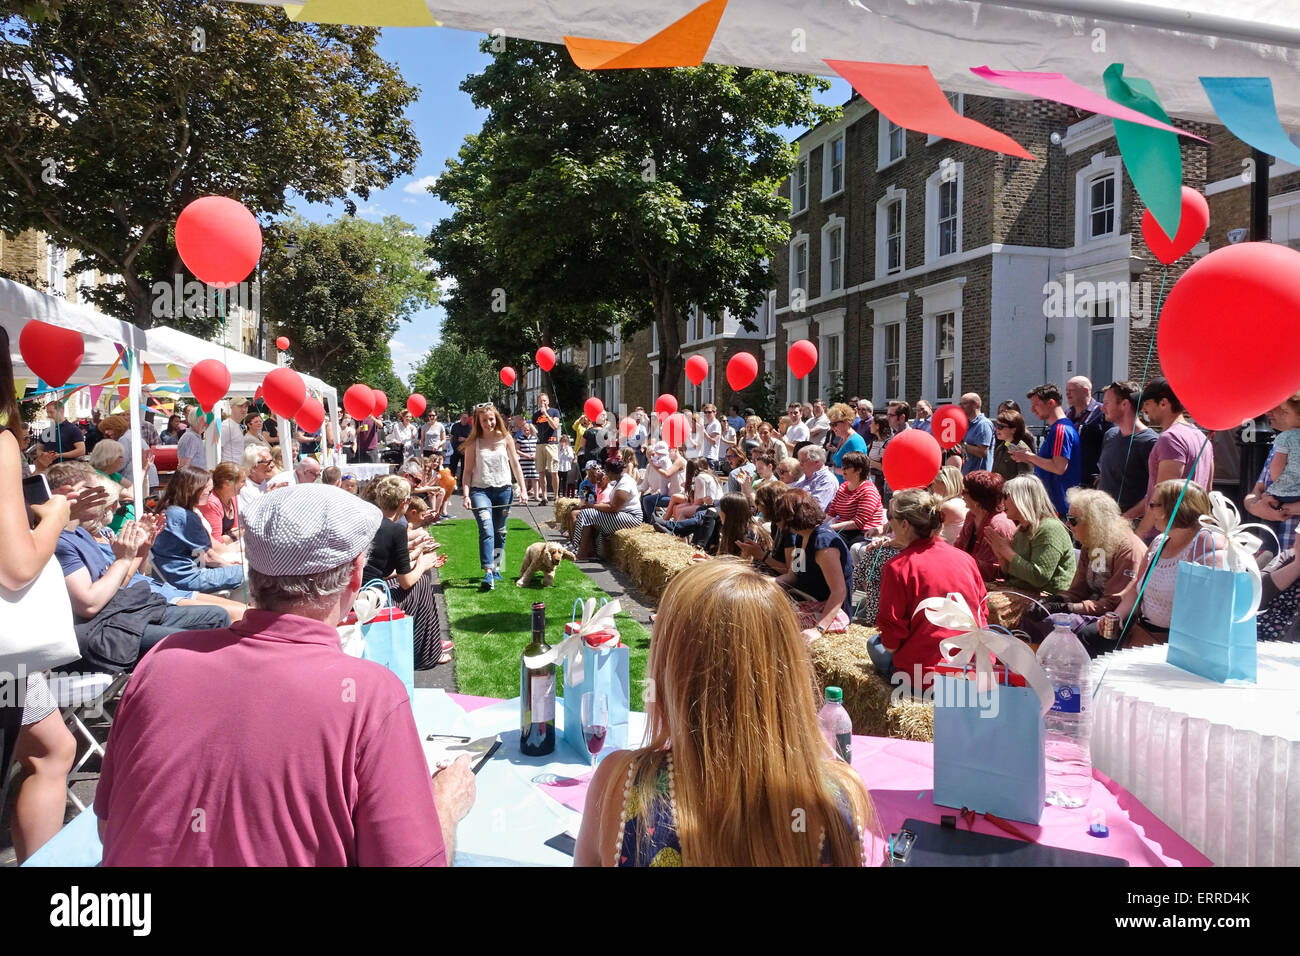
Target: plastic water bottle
{"x": 1069, "y": 722}
{"x": 836, "y": 724}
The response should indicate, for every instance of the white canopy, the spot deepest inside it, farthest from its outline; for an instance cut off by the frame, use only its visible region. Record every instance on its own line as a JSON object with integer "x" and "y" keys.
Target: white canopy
{"x": 1169, "y": 42}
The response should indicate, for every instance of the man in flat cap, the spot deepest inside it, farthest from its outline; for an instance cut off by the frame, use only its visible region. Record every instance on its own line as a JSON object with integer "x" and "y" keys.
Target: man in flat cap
{"x": 263, "y": 743}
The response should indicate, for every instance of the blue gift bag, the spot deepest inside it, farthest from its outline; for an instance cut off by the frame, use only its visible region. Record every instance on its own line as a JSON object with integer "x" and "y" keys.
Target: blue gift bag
{"x": 597, "y": 670}
{"x": 389, "y": 639}
{"x": 1206, "y": 633}
{"x": 988, "y": 750}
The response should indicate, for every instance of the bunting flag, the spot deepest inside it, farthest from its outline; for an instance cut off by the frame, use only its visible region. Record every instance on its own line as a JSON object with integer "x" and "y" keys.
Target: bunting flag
{"x": 363, "y": 13}
{"x": 20, "y": 387}
{"x": 95, "y": 392}
{"x": 1249, "y": 111}
{"x": 682, "y": 43}
{"x": 1153, "y": 158}
{"x": 147, "y": 374}
{"x": 1060, "y": 89}
{"x": 910, "y": 97}
{"x": 173, "y": 372}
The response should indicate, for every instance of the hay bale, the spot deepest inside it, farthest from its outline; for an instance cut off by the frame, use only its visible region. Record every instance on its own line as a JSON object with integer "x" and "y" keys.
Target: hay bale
{"x": 841, "y": 660}
{"x": 652, "y": 559}
{"x": 565, "y": 509}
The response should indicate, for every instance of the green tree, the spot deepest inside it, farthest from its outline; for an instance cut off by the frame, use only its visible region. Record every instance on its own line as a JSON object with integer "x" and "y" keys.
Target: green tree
{"x": 378, "y": 373}
{"x": 115, "y": 114}
{"x": 592, "y": 198}
{"x": 340, "y": 291}
{"x": 455, "y": 376}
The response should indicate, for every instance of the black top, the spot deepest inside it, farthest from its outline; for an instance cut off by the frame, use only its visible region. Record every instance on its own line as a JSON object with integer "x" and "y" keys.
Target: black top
{"x": 1116, "y": 475}
{"x": 458, "y": 433}
{"x": 389, "y": 554}
{"x": 547, "y": 432}
{"x": 1092, "y": 428}
{"x": 811, "y": 580}
{"x": 67, "y": 438}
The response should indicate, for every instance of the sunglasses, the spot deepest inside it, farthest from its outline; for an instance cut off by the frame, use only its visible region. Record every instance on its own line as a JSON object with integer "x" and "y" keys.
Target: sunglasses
{"x": 1002, "y": 424}
{"x": 482, "y": 405}
{"x": 1072, "y": 520}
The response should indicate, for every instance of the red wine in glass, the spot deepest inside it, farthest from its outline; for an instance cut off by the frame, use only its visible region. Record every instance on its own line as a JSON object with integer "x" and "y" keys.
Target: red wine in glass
{"x": 595, "y": 738}
{"x": 595, "y": 721}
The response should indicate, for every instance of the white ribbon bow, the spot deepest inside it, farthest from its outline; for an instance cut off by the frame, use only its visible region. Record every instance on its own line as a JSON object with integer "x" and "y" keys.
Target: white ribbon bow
{"x": 1242, "y": 545}
{"x": 368, "y": 603}
{"x": 569, "y": 650}
{"x": 983, "y": 645}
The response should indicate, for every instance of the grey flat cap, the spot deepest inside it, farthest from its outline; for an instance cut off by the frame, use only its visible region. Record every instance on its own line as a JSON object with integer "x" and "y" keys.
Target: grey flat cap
{"x": 307, "y": 529}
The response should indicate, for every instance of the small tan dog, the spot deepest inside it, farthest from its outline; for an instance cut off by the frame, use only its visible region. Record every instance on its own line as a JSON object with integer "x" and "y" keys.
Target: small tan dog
{"x": 544, "y": 556}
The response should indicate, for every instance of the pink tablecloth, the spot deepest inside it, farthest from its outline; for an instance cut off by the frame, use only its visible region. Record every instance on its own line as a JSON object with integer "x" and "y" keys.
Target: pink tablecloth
{"x": 900, "y": 775}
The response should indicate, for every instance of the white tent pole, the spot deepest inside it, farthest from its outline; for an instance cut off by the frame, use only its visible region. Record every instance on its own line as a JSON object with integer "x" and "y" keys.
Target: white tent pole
{"x": 1162, "y": 18}
{"x": 135, "y": 383}
{"x": 286, "y": 444}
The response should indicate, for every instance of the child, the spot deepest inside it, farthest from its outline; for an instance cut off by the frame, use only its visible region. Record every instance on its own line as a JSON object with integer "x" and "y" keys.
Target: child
{"x": 349, "y": 484}
{"x": 526, "y": 445}
{"x": 588, "y": 490}
{"x": 567, "y": 462}
{"x": 1284, "y": 471}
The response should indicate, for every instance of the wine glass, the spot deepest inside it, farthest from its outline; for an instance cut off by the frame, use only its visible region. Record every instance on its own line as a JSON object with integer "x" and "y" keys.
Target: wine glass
{"x": 595, "y": 720}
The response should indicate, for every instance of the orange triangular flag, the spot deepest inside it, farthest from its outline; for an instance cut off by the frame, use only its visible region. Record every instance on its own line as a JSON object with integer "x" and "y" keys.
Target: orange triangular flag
{"x": 148, "y": 375}
{"x": 682, "y": 43}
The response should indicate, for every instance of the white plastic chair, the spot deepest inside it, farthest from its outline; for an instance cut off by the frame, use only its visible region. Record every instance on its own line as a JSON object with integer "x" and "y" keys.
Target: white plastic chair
{"x": 82, "y": 696}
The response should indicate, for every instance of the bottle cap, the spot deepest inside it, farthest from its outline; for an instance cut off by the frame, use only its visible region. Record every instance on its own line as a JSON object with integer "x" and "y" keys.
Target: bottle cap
{"x": 1098, "y": 826}
{"x": 834, "y": 695}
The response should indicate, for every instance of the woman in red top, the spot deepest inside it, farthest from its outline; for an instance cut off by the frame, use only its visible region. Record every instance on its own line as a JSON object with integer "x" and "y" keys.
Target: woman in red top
{"x": 928, "y": 567}
{"x": 856, "y": 508}
{"x": 982, "y": 492}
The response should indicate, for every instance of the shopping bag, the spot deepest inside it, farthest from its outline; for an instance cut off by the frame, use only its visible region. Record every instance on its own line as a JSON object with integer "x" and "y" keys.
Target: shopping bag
{"x": 36, "y": 625}
{"x": 988, "y": 736}
{"x": 603, "y": 669}
{"x": 1212, "y": 629}
{"x": 377, "y": 630}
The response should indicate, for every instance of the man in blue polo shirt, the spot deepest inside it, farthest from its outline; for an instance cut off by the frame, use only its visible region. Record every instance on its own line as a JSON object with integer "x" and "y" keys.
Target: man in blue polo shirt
{"x": 977, "y": 445}
{"x": 1059, "y": 462}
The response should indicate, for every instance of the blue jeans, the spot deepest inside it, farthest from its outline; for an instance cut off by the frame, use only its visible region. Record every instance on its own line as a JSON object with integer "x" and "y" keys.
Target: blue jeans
{"x": 491, "y": 510}
{"x": 881, "y": 658}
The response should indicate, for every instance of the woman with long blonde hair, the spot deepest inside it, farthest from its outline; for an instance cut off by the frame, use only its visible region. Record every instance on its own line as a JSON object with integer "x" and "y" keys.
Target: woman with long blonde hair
{"x": 735, "y": 752}
{"x": 491, "y": 463}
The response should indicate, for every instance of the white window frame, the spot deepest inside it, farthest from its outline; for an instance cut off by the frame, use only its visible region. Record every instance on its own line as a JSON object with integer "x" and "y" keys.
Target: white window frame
{"x": 654, "y": 381}
{"x": 593, "y": 353}
{"x": 830, "y": 344}
{"x": 796, "y": 390}
{"x": 940, "y": 299}
{"x": 883, "y": 129}
{"x": 56, "y": 268}
{"x": 833, "y": 224}
{"x": 889, "y": 311}
{"x": 618, "y": 342}
{"x": 828, "y": 166}
{"x": 1099, "y": 166}
{"x": 1093, "y": 210}
{"x": 959, "y": 105}
{"x": 932, "y": 199}
{"x": 800, "y": 171}
{"x": 85, "y": 280}
{"x": 892, "y": 195}
{"x": 798, "y": 242}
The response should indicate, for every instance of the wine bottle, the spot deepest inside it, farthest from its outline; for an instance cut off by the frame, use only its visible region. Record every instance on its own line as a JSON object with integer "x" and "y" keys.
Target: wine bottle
{"x": 537, "y": 691}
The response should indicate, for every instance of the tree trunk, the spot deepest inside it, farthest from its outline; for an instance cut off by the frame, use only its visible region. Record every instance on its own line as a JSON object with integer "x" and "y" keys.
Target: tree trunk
{"x": 670, "y": 346}
{"x": 138, "y": 296}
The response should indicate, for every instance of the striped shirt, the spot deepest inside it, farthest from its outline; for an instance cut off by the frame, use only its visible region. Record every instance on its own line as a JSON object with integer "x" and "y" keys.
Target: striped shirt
{"x": 861, "y": 506}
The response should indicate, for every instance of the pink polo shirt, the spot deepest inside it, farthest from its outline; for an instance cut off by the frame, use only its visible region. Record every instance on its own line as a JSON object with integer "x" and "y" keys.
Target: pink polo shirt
{"x": 265, "y": 745}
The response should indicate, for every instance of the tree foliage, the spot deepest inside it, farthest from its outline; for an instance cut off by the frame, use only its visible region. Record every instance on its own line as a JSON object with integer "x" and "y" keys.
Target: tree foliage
{"x": 115, "y": 114}
{"x": 342, "y": 294}
{"x": 456, "y": 375}
{"x": 592, "y": 198}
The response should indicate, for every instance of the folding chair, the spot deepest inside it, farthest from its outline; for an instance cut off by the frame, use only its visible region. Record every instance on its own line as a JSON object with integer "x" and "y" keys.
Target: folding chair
{"x": 82, "y": 696}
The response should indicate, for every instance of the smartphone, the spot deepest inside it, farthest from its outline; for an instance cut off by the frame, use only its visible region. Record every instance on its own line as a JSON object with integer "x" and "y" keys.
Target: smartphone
{"x": 564, "y": 842}
{"x": 36, "y": 491}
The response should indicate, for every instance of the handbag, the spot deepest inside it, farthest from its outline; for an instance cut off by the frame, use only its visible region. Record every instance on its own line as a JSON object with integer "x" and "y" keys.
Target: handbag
{"x": 377, "y": 630}
{"x": 36, "y": 624}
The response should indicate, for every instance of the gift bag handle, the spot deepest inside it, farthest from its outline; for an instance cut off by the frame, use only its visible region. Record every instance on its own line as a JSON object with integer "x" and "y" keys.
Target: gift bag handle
{"x": 1199, "y": 547}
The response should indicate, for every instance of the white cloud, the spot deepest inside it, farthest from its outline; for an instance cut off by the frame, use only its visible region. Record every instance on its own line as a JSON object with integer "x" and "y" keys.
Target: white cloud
{"x": 421, "y": 186}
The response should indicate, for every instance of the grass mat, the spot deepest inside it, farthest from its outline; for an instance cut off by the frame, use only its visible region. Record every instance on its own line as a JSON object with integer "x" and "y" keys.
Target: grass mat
{"x": 491, "y": 628}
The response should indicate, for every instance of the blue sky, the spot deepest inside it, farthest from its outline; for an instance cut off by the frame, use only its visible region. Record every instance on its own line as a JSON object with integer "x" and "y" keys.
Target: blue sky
{"x": 436, "y": 60}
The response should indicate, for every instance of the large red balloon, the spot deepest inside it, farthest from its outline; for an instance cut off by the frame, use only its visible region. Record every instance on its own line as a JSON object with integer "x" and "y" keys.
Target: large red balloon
{"x": 218, "y": 240}
{"x": 52, "y": 352}
{"x": 282, "y": 343}
{"x": 665, "y": 405}
{"x": 284, "y": 391}
{"x": 359, "y": 401}
{"x": 209, "y": 381}
{"x": 507, "y": 376}
{"x": 311, "y": 415}
{"x": 802, "y": 358}
{"x": 697, "y": 369}
{"x": 675, "y": 429}
{"x": 1192, "y": 223}
{"x": 416, "y": 404}
{"x": 381, "y": 400}
{"x": 742, "y": 369}
{"x": 912, "y": 459}
{"x": 948, "y": 425}
{"x": 593, "y": 408}
{"x": 545, "y": 358}
{"x": 628, "y": 426}
{"x": 1216, "y": 328}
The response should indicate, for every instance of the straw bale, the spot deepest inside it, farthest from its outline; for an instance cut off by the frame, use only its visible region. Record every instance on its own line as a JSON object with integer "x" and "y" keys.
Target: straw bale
{"x": 841, "y": 660}
{"x": 565, "y": 509}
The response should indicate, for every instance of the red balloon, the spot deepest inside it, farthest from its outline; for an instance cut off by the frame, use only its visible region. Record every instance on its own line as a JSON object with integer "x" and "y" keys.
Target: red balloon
{"x": 209, "y": 381}
{"x": 628, "y": 427}
{"x": 416, "y": 404}
{"x": 381, "y": 400}
{"x": 545, "y": 358}
{"x": 311, "y": 415}
{"x": 257, "y": 394}
{"x": 593, "y": 408}
{"x": 507, "y": 376}
{"x": 1222, "y": 375}
{"x": 697, "y": 369}
{"x": 742, "y": 369}
{"x": 802, "y": 357}
{"x": 282, "y": 343}
{"x": 948, "y": 425}
{"x": 912, "y": 459}
{"x": 52, "y": 352}
{"x": 675, "y": 429}
{"x": 359, "y": 401}
{"x": 1192, "y": 223}
{"x": 665, "y": 405}
{"x": 284, "y": 391}
{"x": 219, "y": 240}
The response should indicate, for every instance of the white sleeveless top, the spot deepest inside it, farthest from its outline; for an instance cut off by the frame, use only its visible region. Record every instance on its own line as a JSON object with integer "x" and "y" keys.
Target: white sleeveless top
{"x": 1158, "y": 599}
{"x": 491, "y": 467}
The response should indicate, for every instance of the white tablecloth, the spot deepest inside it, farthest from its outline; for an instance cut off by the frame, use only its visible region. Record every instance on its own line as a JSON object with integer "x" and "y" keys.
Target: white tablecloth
{"x": 1220, "y": 763}
{"x": 365, "y": 470}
